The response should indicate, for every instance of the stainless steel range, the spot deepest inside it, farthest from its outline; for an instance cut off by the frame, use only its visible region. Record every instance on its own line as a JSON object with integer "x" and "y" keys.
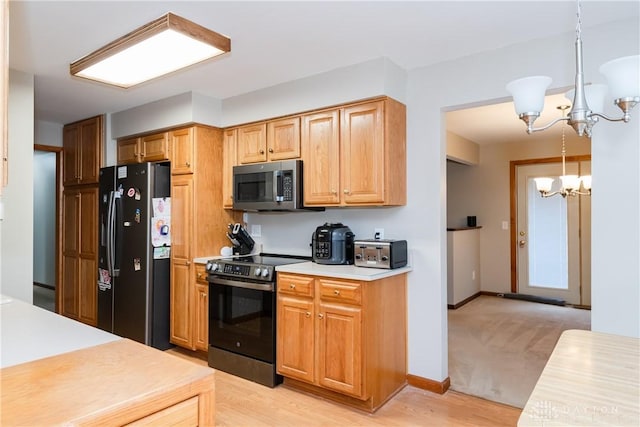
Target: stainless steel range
{"x": 242, "y": 315}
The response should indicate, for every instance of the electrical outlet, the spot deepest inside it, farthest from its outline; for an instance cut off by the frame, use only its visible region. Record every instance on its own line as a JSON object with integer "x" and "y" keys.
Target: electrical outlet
{"x": 256, "y": 230}
{"x": 378, "y": 233}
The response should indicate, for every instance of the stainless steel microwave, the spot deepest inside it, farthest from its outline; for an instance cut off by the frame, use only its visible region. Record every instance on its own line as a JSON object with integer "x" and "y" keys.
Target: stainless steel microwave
{"x": 272, "y": 186}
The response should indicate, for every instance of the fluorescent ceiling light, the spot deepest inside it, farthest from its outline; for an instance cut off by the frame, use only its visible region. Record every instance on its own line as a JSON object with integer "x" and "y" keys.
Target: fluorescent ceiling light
{"x": 155, "y": 49}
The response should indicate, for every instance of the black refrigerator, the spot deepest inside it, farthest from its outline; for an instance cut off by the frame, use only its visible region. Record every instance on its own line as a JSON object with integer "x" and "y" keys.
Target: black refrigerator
{"x": 133, "y": 258}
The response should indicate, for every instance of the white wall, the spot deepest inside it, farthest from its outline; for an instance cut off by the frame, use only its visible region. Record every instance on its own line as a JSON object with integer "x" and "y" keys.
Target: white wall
{"x": 47, "y": 133}
{"x": 17, "y": 225}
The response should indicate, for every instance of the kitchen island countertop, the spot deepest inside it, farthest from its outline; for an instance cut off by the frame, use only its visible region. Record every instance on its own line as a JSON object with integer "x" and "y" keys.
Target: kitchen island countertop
{"x": 341, "y": 271}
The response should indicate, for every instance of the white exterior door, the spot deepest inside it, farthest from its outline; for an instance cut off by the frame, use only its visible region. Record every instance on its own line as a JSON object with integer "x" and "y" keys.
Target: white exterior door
{"x": 549, "y": 250}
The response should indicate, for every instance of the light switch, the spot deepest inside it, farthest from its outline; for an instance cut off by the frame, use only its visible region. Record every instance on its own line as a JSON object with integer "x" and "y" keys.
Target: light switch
{"x": 505, "y": 225}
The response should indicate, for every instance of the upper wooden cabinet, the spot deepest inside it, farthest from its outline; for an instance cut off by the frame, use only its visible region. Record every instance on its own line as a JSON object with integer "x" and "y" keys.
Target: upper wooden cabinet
{"x": 269, "y": 141}
{"x": 150, "y": 148}
{"x": 182, "y": 151}
{"x": 82, "y": 147}
{"x": 229, "y": 160}
{"x": 359, "y": 162}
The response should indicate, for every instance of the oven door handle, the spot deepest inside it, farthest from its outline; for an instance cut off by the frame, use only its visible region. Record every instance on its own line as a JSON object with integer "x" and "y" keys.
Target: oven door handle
{"x": 246, "y": 285}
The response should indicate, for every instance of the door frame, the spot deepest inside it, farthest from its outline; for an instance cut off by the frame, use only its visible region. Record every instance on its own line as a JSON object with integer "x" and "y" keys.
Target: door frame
{"x": 58, "y": 223}
{"x": 513, "y": 205}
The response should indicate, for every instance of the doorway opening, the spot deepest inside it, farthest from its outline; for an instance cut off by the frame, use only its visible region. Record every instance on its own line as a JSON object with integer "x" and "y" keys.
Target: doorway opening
{"x": 46, "y": 224}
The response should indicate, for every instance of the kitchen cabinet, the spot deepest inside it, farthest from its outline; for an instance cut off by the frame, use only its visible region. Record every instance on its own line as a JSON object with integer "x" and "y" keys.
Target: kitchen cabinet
{"x": 82, "y": 143}
{"x": 183, "y": 147}
{"x": 202, "y": 309}
{"x": 198, "y": 225}
{"x": 149, "y": 148}
{"x": 342, "y": 339}
{"x": 78, "y": 293}
{"x": 269, "y": 141}
{"x": 229, "y": 160}
{"x": 355, "y": 155}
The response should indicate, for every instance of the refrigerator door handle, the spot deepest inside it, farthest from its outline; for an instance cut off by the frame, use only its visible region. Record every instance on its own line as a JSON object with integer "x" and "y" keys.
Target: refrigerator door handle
{"x": 109, "y": 236}
{"x": 116, "y": 233}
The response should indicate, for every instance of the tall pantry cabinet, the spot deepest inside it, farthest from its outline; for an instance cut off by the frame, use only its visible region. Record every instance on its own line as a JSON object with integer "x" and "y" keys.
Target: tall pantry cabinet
{"x": 198, "y": 226}
{"x": 82, "y": 145}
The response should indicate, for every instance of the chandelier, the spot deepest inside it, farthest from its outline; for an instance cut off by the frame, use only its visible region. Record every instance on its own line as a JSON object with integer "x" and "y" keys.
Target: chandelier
{"x": 569, "y": 184}
{"x": 623, "y": 77}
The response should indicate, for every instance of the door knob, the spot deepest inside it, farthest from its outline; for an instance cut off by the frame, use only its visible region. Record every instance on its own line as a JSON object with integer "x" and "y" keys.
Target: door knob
{"x": 521, "y": 243}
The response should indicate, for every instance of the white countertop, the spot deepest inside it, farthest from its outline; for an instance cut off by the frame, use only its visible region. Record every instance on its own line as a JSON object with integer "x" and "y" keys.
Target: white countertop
{"x": 591, "y": 379}
{"x": 29, "y": 333}
{"x": 341, "y": 271}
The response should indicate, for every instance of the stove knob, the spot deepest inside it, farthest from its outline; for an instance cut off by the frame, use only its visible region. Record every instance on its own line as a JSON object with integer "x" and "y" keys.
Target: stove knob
{"x": 265, "y": 272}
{"x": 257, "y": 272}
{"x": 211, "y": 266}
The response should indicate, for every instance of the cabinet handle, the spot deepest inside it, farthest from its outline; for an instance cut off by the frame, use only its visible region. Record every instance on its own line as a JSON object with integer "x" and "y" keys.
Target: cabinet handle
{"x": 307, "y": 314}
{"x": 336, "y": 292}
{"x": 271, "y": 150}
{"x": 187, "y": 164}
{"x": 334, "y": 192}
{"x": 292, "y": 286}
{"x": 199, "y": 275}
{"x": 345, "y": 191}
{"x": 320, "y": 315}
{"x": 261, "y": 151}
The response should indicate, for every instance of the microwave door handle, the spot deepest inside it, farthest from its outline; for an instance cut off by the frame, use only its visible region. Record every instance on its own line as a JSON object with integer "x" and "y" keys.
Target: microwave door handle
{"x": 278, "y": 189}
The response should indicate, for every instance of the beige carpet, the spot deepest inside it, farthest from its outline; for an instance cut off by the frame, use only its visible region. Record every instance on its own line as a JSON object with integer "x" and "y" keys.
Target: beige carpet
{"x": 498, "y": 347}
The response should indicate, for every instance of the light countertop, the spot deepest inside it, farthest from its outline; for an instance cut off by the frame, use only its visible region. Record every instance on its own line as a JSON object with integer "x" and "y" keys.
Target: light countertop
{"x": 591, "y": 379}
{"x": 29, "y": 333}
{"x": 341, "y": 271}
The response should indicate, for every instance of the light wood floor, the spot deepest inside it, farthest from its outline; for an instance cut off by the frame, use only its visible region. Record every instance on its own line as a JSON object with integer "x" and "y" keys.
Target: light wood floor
{"x": 243, "y": 403}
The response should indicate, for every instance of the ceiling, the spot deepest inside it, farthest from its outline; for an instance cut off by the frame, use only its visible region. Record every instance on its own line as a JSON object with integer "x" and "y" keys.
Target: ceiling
{"x": 275, "y": 42}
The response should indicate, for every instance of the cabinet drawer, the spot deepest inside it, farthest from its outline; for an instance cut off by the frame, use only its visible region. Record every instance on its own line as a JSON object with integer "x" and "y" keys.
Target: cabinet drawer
{"x": 295, "y": 285}
{"x": 182, "y": 414}
{"x": 201, "y": 273}
{"x": 334, "y": 290}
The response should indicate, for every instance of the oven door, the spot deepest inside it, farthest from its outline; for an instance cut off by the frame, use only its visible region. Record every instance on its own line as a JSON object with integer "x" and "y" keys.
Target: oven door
{"x": 242, "y": 317}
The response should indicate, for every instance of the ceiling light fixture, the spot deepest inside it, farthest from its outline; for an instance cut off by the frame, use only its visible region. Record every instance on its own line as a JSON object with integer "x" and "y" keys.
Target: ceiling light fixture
{"x": 160, "y": 47}
{"x": 623, "y": 76}
{"x": 569, "y": 184}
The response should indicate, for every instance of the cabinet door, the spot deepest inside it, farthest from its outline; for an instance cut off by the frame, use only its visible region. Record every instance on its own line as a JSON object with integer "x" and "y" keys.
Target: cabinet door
{"x": 154, "y": 148}
{"x": 182, "y": 289}
{"x": 252, "y": 143}
{"x": 229, "y": 160}
{"x": 181, "y": 304}
{"x": 340, "y": 349}
{"x": 88, "y": 256}
{"x": 128, "y": 151}
{"x": 295, "y": 338}
{"x": 71, "y": 153}
{"x": 202, "y": 317}
{"x": 321, "y": 156}
{"x": 90, "y": 150}
{"x": 182, "y": 151}
{"x": 283, "y": 139}
{"x": 70, "y": 254}
{"x": 362, "y": 147}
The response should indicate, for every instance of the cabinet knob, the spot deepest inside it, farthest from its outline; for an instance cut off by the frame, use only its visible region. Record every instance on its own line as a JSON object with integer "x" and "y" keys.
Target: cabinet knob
{"x": 320, "y": 315}
{"x": 333, "y": 191}
{"x": 292, "y": 286}
{"x": 345, "y": 191}
{"x": 187, "y": 164}
{"x": 199, "y": 275}
{"x": 336, "y": 292}
{"x": 271, "y": 150}
{"x": 307, "y": 314}
{"x": 261, "y": 151}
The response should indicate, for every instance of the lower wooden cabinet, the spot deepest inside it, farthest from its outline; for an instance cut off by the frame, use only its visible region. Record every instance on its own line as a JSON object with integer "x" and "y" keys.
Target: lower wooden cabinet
{"x": 202, "y": 309}
{"x": 343, "y": 339}
{"x": 78, "y": 291}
